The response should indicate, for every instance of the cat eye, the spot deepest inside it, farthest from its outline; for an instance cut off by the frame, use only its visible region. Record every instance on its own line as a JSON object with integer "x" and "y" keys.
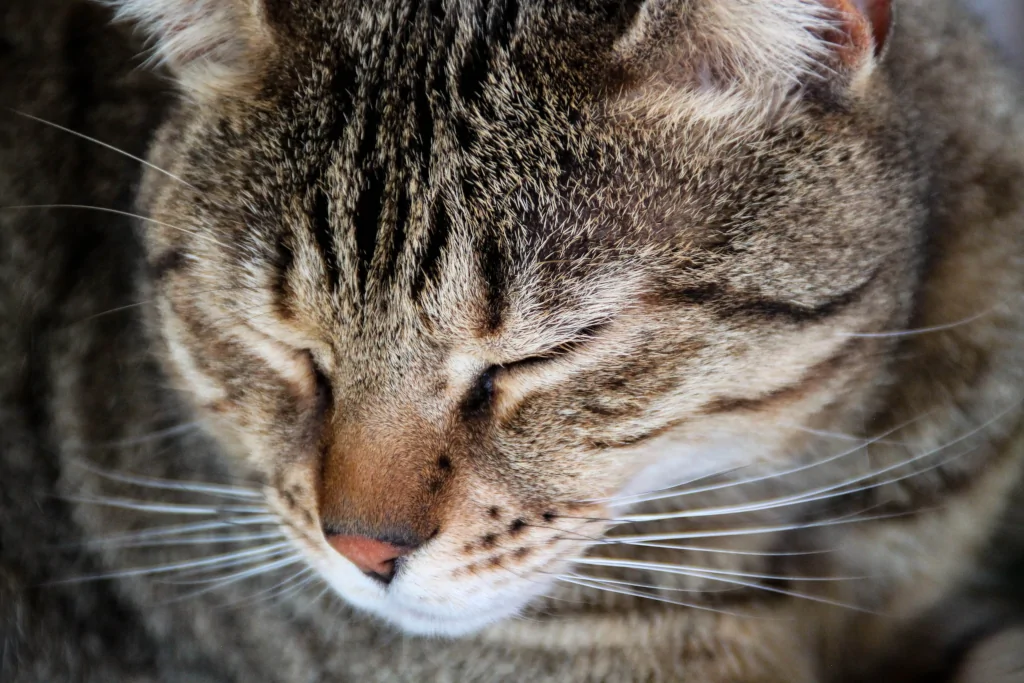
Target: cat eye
{"x": 583, "y": 336}
{"x": 481, "y": 394}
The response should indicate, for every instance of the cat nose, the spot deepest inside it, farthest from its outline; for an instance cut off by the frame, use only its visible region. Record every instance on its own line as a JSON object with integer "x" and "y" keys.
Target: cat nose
{"x": 373, "y": 557}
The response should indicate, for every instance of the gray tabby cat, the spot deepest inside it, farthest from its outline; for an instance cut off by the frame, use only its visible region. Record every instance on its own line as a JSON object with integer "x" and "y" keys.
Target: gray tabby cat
{"x": 664, "y": 340}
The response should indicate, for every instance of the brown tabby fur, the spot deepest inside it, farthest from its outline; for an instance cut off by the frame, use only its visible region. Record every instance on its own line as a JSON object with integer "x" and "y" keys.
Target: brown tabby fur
{"x": 366, "y": 218}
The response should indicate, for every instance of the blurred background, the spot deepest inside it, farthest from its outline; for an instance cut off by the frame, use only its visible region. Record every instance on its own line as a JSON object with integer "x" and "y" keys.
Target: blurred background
{"x": 1006, "y": 19}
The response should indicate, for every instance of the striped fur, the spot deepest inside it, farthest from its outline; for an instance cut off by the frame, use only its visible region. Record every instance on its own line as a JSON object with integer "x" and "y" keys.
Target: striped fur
{"x": 488, "y": 280}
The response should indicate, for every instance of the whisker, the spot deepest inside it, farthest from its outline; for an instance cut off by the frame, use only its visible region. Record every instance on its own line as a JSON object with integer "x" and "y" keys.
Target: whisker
{"x": 148, "y": 302}
{"x": 169, "y": 484}
{"x": 585, "y": 537}
{"x": 721, "y": 551}
{"x": 726, "y": 578}
{"x": 656, "y": 598}
{"x": 817, "y": 494}
{"x": 144, "y": 438}
{"x": 624, "y": 499}
{"x": 175, "y": 566}
{"x": 235, "y": 578}
{"x": 919, "y": 331}
{"x": 118, "y": 309}
{"x": 653, "y": 587}
{"x": 195, "y": 540}
{"x": 177, "y": 529}
{"x": 750, "y": 531}
{"x": 278, "y": 589}
{"x": 682, "y": 568}
{"x": 206, "y": 575}
{"x": 775, "y": 475}
{"x": 127, "y": 214}
{"x": 839, "y": 436}
{"x": 169, "y": 508}
{"x": 83, "y": 136}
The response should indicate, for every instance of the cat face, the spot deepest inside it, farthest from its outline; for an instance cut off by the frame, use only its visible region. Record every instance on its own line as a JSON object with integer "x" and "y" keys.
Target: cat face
{"x": 450, "y": 277}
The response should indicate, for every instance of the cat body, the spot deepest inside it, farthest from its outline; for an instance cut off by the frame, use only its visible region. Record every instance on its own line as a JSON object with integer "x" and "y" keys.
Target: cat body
{"x": 659, "y": 346}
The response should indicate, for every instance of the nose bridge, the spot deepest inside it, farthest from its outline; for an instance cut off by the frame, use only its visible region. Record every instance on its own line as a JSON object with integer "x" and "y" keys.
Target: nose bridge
{"x": 385, "y": 476}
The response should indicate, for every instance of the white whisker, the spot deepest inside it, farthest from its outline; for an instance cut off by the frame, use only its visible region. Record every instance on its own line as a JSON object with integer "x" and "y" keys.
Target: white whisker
{"x": 127, "y": 214}
{"x": 723, "y": 551}
{"x": 194, "y": 540}
{"x": 723, "y": 577}
{"x": 832, "y": 491}
{"x": 169, "y": 484}
{"x": 176, "y": 566}
{"x": 839, "y": 436}
{"x": 625, "y": 499}
{"x": 156, "y": 435}
{"x": 239, "y": 576}
{"x": 103, "y": 144}
{"x": 213, "y": 574}
{"x": 653, "y": 587}
{"x": 178, "y": 529}
{"x": 749, "y": 531}
{"x": 169, "y": 508}
{"x": 682, "y": 568}
{"x": 773, "y": 475}
{"x": 657, "y": 598}
{"x": 919, "y": 331}
{"x": 278, "y": 589}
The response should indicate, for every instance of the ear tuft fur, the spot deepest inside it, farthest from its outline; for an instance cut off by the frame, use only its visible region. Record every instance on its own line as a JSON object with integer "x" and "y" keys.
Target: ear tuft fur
{"x": 210, "y": 45}
{"x": 742, "y": 57}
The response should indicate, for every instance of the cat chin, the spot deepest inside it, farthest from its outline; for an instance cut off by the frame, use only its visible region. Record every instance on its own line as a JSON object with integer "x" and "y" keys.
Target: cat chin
{"x": 426, "y": 625}
{"x": 406, "y": 609}
{"x": 416, "y": 621}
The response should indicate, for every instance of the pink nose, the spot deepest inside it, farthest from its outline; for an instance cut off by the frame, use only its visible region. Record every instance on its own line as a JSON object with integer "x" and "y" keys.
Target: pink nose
{"x": 373, "y": 557}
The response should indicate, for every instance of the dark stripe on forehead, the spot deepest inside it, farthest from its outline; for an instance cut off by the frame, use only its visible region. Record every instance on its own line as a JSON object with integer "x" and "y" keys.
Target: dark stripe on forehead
{"x": 475, "y": 61}
{"x": 368, "y": 222}
{"x": 398, "y": 233}
{"x": 418, "y": 137}
{"x": 323, "y": 235}
{"x": 386, "y": 153}
{"x": 493, "y": 270}
{"x": 423, "y": 112}
{"x": 324, "y": 135}
{"x": 439, "y": 230}
{"x": 501, "y": 25}
{"x": 343, "y": 84}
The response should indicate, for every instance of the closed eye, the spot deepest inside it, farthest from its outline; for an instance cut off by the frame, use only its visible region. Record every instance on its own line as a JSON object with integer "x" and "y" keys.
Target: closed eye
{"x": 582, "y": 338}
{"x": 481, "y": 395}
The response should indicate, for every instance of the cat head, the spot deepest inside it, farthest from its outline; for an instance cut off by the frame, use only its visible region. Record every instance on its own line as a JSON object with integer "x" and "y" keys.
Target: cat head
{"x": 451, "y": 275}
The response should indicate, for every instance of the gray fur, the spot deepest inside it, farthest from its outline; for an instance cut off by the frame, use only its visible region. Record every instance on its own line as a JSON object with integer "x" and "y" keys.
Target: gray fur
{"x": 726, "y": 257}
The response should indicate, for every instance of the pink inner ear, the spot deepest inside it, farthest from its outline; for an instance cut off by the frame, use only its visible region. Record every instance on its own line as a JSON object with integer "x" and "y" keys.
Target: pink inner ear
{"x": 878, "y": 14}
{"x": 868, "y": 23}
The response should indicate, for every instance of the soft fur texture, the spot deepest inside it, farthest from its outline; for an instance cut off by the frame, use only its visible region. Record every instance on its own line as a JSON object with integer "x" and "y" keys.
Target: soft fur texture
{"x": 674, "y": 340}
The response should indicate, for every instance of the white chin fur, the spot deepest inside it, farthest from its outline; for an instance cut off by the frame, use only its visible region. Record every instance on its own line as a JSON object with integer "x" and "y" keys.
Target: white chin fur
{"x": 416, "y": 604}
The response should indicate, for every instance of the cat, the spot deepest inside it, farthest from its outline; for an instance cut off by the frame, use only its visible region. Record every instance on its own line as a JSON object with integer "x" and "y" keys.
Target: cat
{"x": 663, "y": 340}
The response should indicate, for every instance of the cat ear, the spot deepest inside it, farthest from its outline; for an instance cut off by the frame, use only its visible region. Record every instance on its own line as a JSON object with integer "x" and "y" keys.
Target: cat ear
{"x": 757, "y": 45}
{"x": 209, "y": 45}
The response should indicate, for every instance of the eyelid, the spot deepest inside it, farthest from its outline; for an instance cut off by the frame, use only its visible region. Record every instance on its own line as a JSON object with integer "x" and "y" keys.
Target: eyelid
{"x": 586, "y": 335}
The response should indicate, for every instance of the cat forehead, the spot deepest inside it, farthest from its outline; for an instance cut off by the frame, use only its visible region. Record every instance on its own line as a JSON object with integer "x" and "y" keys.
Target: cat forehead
{"x": 406, "y": 157}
